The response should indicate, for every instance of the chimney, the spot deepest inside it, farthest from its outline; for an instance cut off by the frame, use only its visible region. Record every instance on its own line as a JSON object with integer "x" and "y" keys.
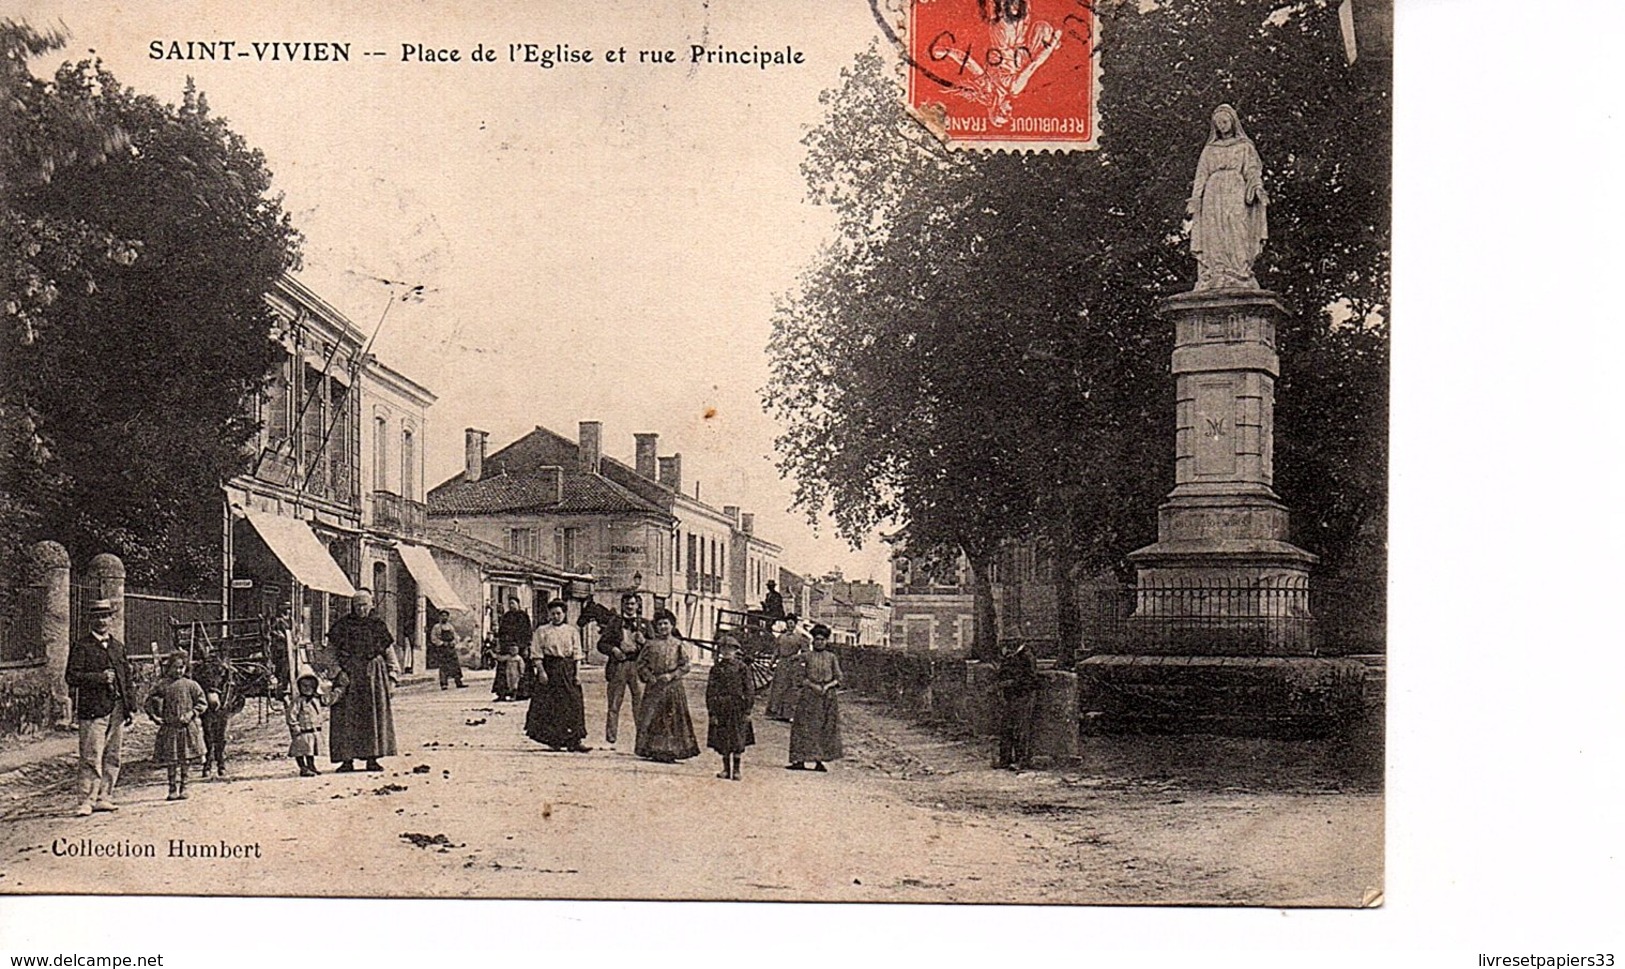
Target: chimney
{"x": 647, "y": 445}
{"x": 747, "y": 523}
{"x": 474, "y": 453}
{"x": 671, "y": 472}
{"x": 732, "y": 511}
{"x": 550, "y": 481}
{"x": 590, "y": 445}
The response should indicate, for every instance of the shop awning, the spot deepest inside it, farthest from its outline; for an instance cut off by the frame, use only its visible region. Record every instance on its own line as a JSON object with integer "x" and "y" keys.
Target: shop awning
{"x": 297, "y": 548}
{"x": 431, "y": 581}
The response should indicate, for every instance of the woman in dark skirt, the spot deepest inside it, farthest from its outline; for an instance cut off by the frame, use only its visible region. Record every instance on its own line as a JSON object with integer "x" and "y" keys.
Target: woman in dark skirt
{"x": 728, "y": 698}
{"x": 665, "y": 732}
{"x": 556, "y": 716}
{"x": 816, "y": 733}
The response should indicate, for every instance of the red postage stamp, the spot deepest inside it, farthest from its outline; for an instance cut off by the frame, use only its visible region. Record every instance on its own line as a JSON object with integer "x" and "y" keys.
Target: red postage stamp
{"x": 1005, "y": 74}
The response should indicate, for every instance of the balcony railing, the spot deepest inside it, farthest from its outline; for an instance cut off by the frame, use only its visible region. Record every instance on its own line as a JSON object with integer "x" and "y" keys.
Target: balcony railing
{"x": 705, "y": 584}
{"x": 402, "y": 516}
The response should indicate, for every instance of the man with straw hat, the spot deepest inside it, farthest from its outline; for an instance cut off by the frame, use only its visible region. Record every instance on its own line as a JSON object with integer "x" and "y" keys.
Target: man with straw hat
{"x": 104, "y": 702}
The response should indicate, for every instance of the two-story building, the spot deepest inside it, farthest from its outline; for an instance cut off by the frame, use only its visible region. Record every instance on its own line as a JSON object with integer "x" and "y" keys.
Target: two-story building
{"x": 333, "y": 500}
{"x": 717, "y": 557}
{"x": 857, "y": 613}
{"x": 753, "y": 563}
{"x": 548, "y": 499}
{"x": 292, "y": 523}
{"x": 933, "y": 602}
{"x": 396, "y": 562}
{"x": 630, "y": 526}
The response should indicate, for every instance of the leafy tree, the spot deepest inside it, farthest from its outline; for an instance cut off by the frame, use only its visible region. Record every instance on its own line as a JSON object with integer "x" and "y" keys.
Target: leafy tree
{"x": 139, "y": 360}
{"x": 977, "y": 355}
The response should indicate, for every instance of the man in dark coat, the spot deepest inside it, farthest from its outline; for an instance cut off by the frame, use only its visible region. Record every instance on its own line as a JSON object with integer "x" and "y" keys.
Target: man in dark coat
{"x": 104, "y": 702}
{"x": 773, "y": 602}
{"x": 363, "y": 724}
{"x": 1018, "y": 693}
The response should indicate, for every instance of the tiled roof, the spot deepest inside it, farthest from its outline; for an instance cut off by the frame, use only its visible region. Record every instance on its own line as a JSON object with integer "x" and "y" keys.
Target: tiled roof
{"x": 651, "y": 491}
{"x": 489, "y": 555}
{"x": 510, "y": 482}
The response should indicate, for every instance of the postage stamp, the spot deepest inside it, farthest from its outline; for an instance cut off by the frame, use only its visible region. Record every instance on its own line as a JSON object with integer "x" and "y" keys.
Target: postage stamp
{"x": 1005, "y": 74}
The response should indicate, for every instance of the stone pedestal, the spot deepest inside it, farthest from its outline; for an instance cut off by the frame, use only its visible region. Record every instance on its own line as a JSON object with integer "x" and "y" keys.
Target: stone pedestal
{"x": 1222, "y": 577}
{"x": 1221, "y": 639}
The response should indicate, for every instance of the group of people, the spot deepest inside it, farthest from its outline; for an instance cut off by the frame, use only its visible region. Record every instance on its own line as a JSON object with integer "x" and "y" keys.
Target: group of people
{"x": 647, "y": 660}
{"x": 191, "y": 713}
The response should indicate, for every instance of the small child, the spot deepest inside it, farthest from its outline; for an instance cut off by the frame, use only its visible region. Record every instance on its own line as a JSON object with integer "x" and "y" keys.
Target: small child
{"x": 305, "y": 722}
{"x": 175, "y": 704}
{"x": 729, "y": 695}
{"x": 224, "y": 701}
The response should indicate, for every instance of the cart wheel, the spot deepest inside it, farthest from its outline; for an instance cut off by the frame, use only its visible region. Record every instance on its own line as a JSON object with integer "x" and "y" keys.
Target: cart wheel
{"x": 761, "y": 670}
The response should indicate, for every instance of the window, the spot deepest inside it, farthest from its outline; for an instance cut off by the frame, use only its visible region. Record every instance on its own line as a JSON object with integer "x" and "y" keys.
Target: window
{"x": 660, "y": 553}
{"x": 917, "y": 633}
{"x": 380, "y": 454}
{"x": 275, "y": 411}
{"x": 692, "y": 558}
{"x": 315, "y": 422}
{"x": 522, "y": 541}
{"x": 409, "y": 465}
{"x": 571, "y": 536}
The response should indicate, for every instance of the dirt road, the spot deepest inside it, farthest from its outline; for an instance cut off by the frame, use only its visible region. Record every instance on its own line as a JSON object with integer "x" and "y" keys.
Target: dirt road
{"x": 472, "y": 808}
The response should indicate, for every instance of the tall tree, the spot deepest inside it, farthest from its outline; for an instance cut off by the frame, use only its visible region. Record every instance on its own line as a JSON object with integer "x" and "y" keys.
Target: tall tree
{"x": 139, "y": 376}
{"x": 977, "y": 355}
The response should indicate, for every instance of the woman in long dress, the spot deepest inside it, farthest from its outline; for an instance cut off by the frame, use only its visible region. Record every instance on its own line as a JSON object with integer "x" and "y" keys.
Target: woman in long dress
{"x": 556, "y": 716}
{"x": 789, "y": 666}
{"x": 363, "y": 716}
{"x": 665, "y": 731}
{"x": 1227, "y": 207}
{"x": 816, "y": 733}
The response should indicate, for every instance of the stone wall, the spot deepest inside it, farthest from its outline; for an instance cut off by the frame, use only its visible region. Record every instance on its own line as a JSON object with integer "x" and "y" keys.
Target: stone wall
{"x": 1234, "y": 695}
{"x": 956, "y": 695}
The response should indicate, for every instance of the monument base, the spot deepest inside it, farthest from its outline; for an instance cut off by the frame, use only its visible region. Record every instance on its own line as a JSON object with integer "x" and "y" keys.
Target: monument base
{"x": 1222, "y": 578}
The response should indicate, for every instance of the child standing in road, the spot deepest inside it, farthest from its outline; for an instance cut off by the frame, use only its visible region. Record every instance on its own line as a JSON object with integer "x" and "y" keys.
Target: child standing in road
{"x": 729, "y": 694}
{"x": 305, "y": 717}
{"x": 175, "y": 704}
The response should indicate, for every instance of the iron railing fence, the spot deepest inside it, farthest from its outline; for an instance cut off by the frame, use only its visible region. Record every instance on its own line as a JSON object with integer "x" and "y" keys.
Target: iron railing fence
{"x": 22, "y": 633}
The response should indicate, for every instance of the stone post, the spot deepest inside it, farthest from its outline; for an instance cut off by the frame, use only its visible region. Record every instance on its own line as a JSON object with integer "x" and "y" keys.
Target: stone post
{"x": 105, "y": 576}
{"x": 52, "y": 574}
{"x": 983, "y": 712}
{"x": 1055, "y": 719}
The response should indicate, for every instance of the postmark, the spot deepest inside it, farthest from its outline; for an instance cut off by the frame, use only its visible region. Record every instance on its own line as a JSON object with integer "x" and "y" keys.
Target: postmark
{"x": 1018, "y": 75}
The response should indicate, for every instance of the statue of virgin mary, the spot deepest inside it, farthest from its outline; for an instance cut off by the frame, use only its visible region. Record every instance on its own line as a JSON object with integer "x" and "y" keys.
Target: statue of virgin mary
{"x": 1227, "y": 206}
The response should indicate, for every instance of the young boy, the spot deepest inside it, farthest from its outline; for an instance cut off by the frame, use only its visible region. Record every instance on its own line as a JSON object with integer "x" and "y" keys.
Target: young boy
{"x": 728, "y": 698}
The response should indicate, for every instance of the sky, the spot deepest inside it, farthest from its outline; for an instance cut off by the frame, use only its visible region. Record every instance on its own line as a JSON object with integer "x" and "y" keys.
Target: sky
{"x": 597, "y": 242}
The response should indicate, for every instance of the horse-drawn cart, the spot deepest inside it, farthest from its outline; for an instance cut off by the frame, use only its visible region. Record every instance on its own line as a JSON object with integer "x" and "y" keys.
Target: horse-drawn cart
{"x": 754, "y": 631}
